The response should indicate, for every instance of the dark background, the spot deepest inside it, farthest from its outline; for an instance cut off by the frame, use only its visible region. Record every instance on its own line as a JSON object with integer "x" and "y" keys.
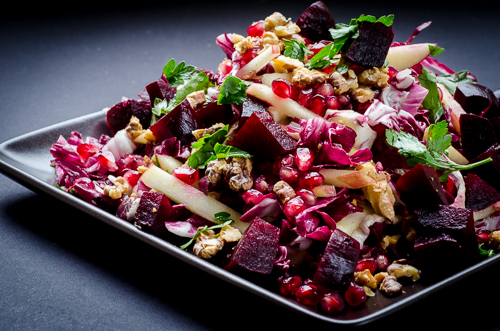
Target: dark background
{"x": 61, "y": 269}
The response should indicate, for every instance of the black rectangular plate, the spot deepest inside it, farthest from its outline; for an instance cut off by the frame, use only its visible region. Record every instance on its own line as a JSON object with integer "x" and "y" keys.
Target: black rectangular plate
{"x": 26, "y": 160}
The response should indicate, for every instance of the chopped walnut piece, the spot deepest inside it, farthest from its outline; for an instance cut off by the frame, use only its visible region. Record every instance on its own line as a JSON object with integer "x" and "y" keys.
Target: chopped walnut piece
{"x": 207, "y": 244}
{"x": 137, "y": 134}
{"x": 229, "y": 234}
{"x": 274, "y": 20}
{"x": 374, "y": 77}
{"x": 389, "y": 240}
{"x": 403, "y": 270}
{"x": 343, "y": 85}
{"x": 286, "y": 30}
{"x": 237, "y": 169}
{"x": 380, "y": 276}
{"x": 284, "y": 64}
{"x": 270, "y": 38}
{"x": 196, "y": 99}
{"x": 494, "y": 242}
{"x": 118, "y": 189}
{"x": 284, "y": 191}
{"x": 305, "y": 76}
{"x": 245, "y": 45}
{"x": 390, "y": 285}
{"x": 363, "y": 94}
{"x": 365, "y": 278}
{"x": 211, "y": 130}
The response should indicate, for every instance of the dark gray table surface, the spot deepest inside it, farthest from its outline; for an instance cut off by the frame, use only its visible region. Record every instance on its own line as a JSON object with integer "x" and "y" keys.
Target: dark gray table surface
{"x": 61, "y": 269}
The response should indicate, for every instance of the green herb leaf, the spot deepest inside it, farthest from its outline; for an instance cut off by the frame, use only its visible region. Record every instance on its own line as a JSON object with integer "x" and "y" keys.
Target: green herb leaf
{"x": 221, "y": 217}
{"x": 451, "y": 81}
{"x": 322, "y": 59}
{"x": 206, "y": 228}
{"x": 432, "y": 102}
{"x": 205, "y": 148}
{"x": 484, "y": 252}
{"x": 233, "y": 91}
{"x": 295, "y": 50}
{"x": 435, "y": 50}
{"x": 177, "y": 74}
{"x": 416, "y": 152}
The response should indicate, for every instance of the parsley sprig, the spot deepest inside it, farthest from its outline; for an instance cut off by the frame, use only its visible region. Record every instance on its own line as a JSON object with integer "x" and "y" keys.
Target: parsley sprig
{"x": 222, "y": 218}
{"x": 433, "y": 154}
{"x": 295, "y": 50}
{"x": 233, "y": 91}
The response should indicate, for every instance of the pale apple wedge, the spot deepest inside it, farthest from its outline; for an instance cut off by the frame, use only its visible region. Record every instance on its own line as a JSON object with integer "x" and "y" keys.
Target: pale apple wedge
{"x": 406, "y": 56}
{"x": 288, "y": 107}
{"x": 353, "y": 179}
{"x": 167, "y": 162}
{"x": 259, "y": 62}
{"x": 456, "y": 109}
{"x": 182, "y": 193}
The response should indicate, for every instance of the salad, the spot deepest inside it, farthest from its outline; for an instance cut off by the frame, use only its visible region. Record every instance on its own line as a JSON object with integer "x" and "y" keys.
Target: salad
{"x": 322, "y": 159}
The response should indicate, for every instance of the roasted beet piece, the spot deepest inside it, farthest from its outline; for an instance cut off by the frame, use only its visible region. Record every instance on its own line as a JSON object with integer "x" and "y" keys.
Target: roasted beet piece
{"x": 315, "y": 22}
{"x": 262, "y": 137}
{"x": 489, "y": 172}
{"x": 371, "y": 47}
{"x": 257, "y": 249}
{"x": 420, "y": 187}
{"x": 339, "y": 260}
{"x": 477, "y": 135}
{"x": 249, "y": 106}
{"x": 180, "y": 122}
{"x": 477, "y": 99}
{"x": 118, "y": 116}
{"x": 453, "y": 221}
{"x": 160, "y": 89}
{"x": 212, "y": 113}
{"x": 478, "y": 193}
{"x": 153, "y": 211}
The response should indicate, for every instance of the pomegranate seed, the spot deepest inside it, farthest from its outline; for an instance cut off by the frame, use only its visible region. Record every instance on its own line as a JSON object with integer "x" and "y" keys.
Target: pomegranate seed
{"x": 317, "y": 104}
{"x": 305, "y": 96}
{"x": 381, "y": 262}
{"x": 294, "y": 206}
{"x": 391, "y": 71}
{"x": 295, "y": 92}
{"x": 344, "y": 101}
{"x": 256, "y": 29}
{"x": 287, "y": 161}
{"x": 289, "y": 174}
{"x": 132, "y": 177}
{"x": 308, "y": 295}
{"x": 261, "y": 184}
{"x": 325, "y": 89}
{"x": 290, "y": 285}
{"x": 362, "y": 107}
{"x": 332, "y": 102}
{"x": 308, "y": 196}
{"x": 482, "y": 238}
{"x": 86, "y": 150}
{"x": 311, "y": 179}
{"x": 282, "y": 88}
{"x": 332, "y": 303}
{"x": 225, "y": 67}
{"x": 187, "y": 174}
{"x": 304, "y": 158}
{"x": 366, "y": 263}
{"x": 355, "y": 295}
{"x": 252, "y": 196}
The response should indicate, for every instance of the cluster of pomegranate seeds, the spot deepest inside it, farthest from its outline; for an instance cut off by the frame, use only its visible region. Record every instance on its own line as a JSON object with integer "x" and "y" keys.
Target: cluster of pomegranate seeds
{"x": 290, "y": 285}
{"x": 187, "y": 174}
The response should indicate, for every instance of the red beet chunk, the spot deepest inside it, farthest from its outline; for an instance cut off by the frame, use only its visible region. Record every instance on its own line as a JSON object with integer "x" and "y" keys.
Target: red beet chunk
{"x": 249, "y": 106}
{"x": 478, "y": 193}
{"x": 262, "y": 137}
{"x": 477, "y": 99}
{"x": 420, "y": 188}
{"x": 315, "y": 22}
{"x": 118, "y": 116}
{"x": 489, "y": 172}
{"x": 438, "y": 255}
{"x": 477, "y": 135}
{"x": 339, "y": 260}
{"x": 213, "y": 113}
{"x": 160, "y": 89}
{"x": 153, "y": 211}
{"x": 371, "y": 47}
{"x": 257, "y": 249}
{"x": 180, "y": 122}
{"x": 453, "y": 221}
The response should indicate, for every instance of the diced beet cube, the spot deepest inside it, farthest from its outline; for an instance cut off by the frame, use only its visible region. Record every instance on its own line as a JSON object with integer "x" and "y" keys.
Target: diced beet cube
{"x": 118, "y": 116}
{"x": 420, "y": 188}
{"x": 315, "y": 22}
{"x": 257, "y": 249}
{"x": 477, "y": 99}
{"x": 489, "y": 172}
{"x": 249, "y": 106}
{"x": 478, "y": 193}
{"x": 477, "y": 135}
{"x": 453, "y": 221}
{"x": 339, "y": 260}
{"x": 262, "y": 137}
{"x": 180, "y": 122}
{"x": 371, "y": 47}
{"x": 438, "y": 255}
{"x": 213, "y": 113}
{"x": 160, "y": 89}
{"x": 153, "y": 211}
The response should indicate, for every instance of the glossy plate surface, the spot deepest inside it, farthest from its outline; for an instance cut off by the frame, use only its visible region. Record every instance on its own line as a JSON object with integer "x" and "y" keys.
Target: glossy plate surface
{"x": 26, "y": 159}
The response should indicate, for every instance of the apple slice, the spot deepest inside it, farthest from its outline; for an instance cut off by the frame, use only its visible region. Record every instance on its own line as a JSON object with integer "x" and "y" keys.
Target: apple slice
{"x": 406, "y": 56}
{"x": 353, "y": 179}
{"x": 267, "y": 79}
{"x": 167, "y": 162}
{"x": 288, "y": 107}
{"x": 259, "y": 62}
{"x": 182, "y": 193}
{"x": 456, "y": 109}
